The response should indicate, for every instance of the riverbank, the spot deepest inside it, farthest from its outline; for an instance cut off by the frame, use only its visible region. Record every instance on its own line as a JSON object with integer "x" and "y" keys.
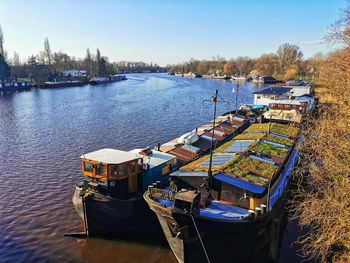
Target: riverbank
{"x": 323, "y": 198}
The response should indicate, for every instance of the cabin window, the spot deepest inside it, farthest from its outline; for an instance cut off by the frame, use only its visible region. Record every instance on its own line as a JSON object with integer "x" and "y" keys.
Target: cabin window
{"x": 113, "y": 172}
{"x": 100, "y": 170}
{"x": 259, "y": 97}
{"x": 123, "y": 170}
{"x": 88, "y": 167}
{"x": 133, "y": 167}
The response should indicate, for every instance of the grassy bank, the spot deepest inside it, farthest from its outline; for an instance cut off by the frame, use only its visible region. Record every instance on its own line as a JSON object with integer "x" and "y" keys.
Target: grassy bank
{"x": 323, "y": 196}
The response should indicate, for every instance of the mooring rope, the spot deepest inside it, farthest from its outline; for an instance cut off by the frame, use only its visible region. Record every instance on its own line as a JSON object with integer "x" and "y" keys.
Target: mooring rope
{"x": 200, "y": 239}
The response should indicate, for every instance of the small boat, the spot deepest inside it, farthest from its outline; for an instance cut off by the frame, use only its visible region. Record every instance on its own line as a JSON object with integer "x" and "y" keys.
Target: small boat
{"x": 241, "y": 78}
{"x": 227, "y": 206}
{"x": 188, "y": 138}
{"x": 220, "y": 77}
{"x": 266, "y": 80}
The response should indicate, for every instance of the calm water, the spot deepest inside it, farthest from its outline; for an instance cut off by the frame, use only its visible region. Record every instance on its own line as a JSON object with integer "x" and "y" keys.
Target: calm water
{"x": 42, "y": 135}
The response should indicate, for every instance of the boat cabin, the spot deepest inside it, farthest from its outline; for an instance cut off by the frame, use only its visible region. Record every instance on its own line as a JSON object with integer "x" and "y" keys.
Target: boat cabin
{"x": 113, "y": 172}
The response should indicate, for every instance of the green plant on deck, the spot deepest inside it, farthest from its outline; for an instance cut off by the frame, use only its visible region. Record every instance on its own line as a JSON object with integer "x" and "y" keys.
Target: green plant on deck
{"x": 241, "y": 166}
{"x": 284, "y": 129}
{"x": 270, "y": 150}
{"x": 279, "y": 140}
{"x": 249, "y": 136}
{"x": 256, "y": 127}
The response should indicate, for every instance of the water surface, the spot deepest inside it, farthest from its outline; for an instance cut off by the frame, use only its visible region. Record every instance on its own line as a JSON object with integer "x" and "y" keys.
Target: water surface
{"x": 42, "y": 135}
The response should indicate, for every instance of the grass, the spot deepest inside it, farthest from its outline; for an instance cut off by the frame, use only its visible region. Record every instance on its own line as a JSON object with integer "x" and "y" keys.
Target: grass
{"x": 249, "y": 136}
{"x": 284, "y": 141}
{"x": 242, "y": 166}
{"x": 269, "y": 150}
{"x": 322, "y": 199}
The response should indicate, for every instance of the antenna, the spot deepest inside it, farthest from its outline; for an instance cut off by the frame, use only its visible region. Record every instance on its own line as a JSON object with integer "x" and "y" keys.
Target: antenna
{"x": 233, "y": 91}
{"x": 213, "y": 99}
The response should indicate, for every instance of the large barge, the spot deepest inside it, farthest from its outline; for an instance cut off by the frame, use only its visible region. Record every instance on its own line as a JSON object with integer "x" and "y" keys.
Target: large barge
{"x": 235, "y": 212}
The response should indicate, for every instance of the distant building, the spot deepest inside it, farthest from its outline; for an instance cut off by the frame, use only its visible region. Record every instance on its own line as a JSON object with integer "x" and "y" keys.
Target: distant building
{"x": 267, "y": 96}
{"x": 74, "y": 73}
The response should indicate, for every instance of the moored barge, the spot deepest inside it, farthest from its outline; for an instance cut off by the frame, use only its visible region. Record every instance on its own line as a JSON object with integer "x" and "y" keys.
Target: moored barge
{"x": 236, "y": 211}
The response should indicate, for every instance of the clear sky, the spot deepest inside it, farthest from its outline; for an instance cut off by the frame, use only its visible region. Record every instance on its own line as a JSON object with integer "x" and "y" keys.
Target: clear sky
{"x": 166, "y": 31}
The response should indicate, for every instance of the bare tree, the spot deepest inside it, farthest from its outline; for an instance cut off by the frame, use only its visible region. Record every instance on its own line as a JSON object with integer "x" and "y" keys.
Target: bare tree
{"x": 47, "y": 51}
{"x": 289, "y": 55}
{"x": 16, "y": 61}
{"x": 1, "y": 42}
{"x": 339, "y": 32}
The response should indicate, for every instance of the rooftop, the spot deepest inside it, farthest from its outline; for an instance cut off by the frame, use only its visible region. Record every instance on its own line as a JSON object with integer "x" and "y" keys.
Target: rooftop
{"x": 273, "y": 90}
{"x": 110, "y": 156}
{"x": 154, "y": 159}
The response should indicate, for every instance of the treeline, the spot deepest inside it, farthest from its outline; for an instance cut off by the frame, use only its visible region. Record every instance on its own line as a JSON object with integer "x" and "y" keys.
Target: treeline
{"x": 49, "y": 66}
{"x": 322, "y": 201}
{"x": 287, "y": 63}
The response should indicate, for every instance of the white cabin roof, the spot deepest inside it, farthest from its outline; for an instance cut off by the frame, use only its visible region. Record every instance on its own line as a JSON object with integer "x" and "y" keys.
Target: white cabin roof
{"x": 154, "y": 159}
{"x": 110, "y": 156}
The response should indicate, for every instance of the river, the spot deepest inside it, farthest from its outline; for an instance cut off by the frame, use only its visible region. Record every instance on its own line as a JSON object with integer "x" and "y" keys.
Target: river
{"x": 43, "y": 132}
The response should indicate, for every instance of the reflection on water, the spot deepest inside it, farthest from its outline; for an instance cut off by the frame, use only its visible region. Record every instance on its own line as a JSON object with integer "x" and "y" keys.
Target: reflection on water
{"x": 42, "y": 135}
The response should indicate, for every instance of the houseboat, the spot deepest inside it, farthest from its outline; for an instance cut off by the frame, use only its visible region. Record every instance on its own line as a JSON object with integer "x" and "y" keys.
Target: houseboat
{"x": 226, "y": 207}
{"x": 15, "y": 85}
{"x": 106, "y": 80}
{"x": 110, "y": 198}
{"x": 62, "y": 84}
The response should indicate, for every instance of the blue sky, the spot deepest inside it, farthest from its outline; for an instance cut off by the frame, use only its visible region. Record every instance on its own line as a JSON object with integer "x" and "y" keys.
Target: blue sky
{"x": 166, "y": 32}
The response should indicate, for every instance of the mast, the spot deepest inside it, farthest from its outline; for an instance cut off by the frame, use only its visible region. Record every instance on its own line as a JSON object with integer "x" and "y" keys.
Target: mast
{"x": 214, "y": 100}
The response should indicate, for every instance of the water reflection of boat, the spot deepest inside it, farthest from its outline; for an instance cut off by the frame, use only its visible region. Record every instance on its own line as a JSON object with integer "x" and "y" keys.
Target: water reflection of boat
{"x": 238, "y": 214}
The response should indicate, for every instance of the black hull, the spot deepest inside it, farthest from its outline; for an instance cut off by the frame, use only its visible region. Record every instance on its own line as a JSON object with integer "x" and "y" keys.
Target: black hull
{"x": 107, "y": 216}
{"x": 63, "y": 85}
{"x": 240, "y": 241}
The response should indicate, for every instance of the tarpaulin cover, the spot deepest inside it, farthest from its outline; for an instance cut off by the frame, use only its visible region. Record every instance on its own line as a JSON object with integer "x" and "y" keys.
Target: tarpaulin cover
{"x": 252, "y": 188}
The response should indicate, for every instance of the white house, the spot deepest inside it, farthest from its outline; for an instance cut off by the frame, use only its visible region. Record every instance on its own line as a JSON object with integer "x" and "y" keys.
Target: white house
{"x": 74, "y": 73}
{"x": 269, "y": 95}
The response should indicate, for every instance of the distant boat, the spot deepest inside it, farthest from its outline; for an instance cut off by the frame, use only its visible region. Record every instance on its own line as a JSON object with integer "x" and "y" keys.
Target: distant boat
{"x": 192, "y": 75}
{"x": 62, "y": 84}
{"x": 105, "y": 80}
{"x": 15, "y": 85}
{"x": 223, "y": 77}
{"x": 241, "y": 78}
{"x": 266, "y": 79}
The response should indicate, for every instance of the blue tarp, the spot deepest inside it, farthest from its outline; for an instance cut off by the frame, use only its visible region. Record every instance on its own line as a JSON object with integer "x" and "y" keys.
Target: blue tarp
{"x": 252, "y": 188}
{"x": 239, "y": 145}
{"x": 219, "y": 210}
{"x": 219, "y": 159}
